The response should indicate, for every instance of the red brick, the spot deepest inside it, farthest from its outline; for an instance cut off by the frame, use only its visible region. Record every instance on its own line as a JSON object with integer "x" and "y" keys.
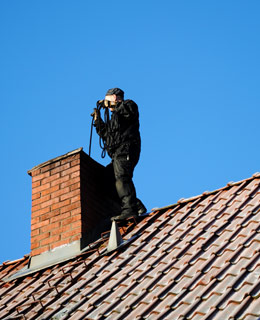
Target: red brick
{"x": 36, "y": 208}
{"x": 35, "y": 172}
{"x": 36, "y": 196}
{"x": 61, "y": 230}
{"x": 77, "y": 204}
{"x": 69, "y": 195}
{"x": 60, "y": 217}
{"x": 50, "y": 240}
{"x": 35, "y": 220}
{"x": 49, "y": 215}
{"x": 70, "y": 233}
{"x": 76, "y": 224}
{"x": 75, "y": 174}
{"x": 50, "y": 227}
{"x": 70, "y": 182}
{"x": 41, "y": 200}
{"x": 70, "y": 171}
{"x": 40, "y": 176}
{"x": 45, "y": 169}
{"x": 70, "y": 207}
{"x": 36, "y": 184}
{"x": 67, "y": 160}
{"x": 75, "y": 211}
{"x": 59, "y": 181}
{"x": 50, "y": 179}
{"x": 60, "y": 168}
{"x": 41, "y": 188}
{"x": 71, "y": 219}
{"x": 33, "y": 240}
{"x": 70, "y": 158}
{"x": 40, "y": 237}
{"x": 60, "y": 204}
{"x": 59, "y": 243}
{"x": 75, "y": 238}
{"x": 49, "y": 203}
{"x": 40, "y": 212}
{"x": 40, "y": 224}
{"x": 75, "y": 199}
{"x": 35, "y": 245}
{"x": 60, "y": 192}
{"x": 50, "y": 166}
{"x": 75, "y": 162}
{"x": 35, "y": 232}
{"x": 40, "y": 250}
{"x": 50, "y": 190}
{"x": 75, "y": 186}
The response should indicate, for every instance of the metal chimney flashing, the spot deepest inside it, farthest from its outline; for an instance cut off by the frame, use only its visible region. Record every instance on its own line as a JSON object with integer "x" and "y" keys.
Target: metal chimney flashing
{"x": 57, "y": 254}
{"x": 48, "y": 259}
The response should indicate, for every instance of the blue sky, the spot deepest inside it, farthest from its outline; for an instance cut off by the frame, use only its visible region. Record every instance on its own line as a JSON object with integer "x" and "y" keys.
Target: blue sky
{"x": 193, "y": 68}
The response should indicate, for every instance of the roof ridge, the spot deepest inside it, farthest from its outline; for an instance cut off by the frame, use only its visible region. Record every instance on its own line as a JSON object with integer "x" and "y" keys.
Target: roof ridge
{"x": 206, "y": 193}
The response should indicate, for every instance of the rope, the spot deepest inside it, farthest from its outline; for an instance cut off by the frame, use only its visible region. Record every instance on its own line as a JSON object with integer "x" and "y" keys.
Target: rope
{"x": 102, "y": 142}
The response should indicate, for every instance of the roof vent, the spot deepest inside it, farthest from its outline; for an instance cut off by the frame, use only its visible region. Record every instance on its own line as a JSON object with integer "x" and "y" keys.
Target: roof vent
{"x": 115, "y": 239}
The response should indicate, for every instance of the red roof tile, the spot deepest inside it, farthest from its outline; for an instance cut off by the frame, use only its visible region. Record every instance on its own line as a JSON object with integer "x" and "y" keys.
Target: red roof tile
{"x": 197, "y": 259}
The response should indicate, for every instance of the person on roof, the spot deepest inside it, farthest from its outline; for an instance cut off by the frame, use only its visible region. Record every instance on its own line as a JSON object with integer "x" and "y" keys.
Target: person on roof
{"x": 122, "y": 142}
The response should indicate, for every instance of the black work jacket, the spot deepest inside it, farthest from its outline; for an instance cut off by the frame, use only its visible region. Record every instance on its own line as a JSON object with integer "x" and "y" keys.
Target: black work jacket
{"x": 122, "y": 128}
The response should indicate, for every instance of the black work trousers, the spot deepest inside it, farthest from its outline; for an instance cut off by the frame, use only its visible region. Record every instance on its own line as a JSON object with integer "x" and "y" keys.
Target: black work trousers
{"x": 124, "y": 160}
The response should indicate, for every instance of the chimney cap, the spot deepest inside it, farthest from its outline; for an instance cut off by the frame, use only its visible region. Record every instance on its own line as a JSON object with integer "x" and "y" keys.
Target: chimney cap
{"x": 46, "y": 163}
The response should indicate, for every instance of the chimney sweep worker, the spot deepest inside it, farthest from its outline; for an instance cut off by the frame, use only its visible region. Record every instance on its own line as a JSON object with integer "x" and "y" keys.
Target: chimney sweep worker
{"x": 122, "y": 142}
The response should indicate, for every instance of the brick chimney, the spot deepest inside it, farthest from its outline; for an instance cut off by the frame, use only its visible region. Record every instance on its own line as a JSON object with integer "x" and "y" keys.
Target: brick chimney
{"x": 71, "y": 205}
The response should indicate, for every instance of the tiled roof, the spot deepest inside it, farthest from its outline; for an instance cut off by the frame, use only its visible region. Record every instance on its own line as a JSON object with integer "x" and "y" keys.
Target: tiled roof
{"x": 197, "y": 259}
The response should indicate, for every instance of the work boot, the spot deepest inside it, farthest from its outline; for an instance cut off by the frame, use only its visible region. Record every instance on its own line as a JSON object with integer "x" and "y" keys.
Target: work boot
{"x": 124, "y": 215}
{"x": 141, "y": 209}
